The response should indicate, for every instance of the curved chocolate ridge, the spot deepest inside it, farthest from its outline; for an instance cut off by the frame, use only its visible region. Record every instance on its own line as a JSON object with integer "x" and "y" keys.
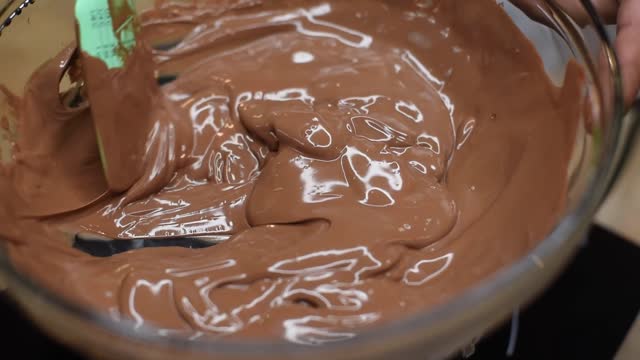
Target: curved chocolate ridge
{"x": 369, "y": 159}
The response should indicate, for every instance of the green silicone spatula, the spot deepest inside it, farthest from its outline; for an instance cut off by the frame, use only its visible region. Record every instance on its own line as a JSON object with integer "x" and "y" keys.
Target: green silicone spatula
{"x": 97, "y": 34}
{"x": 106, "y": 31}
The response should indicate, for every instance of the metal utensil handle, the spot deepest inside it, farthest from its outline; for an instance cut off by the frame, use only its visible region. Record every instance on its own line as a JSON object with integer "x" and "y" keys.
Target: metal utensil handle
{"x": 9, "y": 19}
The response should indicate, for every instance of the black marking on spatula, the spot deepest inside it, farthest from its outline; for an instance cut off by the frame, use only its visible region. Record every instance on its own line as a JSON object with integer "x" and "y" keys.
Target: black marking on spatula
{"x": 107, "y": 248}
{"x": 14, "y": 13}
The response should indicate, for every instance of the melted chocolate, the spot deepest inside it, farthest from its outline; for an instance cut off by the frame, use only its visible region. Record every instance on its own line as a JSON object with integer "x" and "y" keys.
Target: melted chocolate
{"x": 366, "y": 159}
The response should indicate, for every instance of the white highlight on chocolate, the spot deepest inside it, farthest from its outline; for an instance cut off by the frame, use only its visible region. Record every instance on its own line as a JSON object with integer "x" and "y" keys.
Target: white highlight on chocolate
{"x": 318, "y": 330}
{"x": 303, "y": 57}
{"x": 155, "y": 290}
{"x": 436, "y": 84}
{"x": 322, "y": 28}
{"x": 415, "y": 271}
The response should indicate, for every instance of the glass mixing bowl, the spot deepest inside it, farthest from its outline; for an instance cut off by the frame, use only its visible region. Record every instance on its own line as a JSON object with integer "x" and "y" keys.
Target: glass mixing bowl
{"x": 45, "y": 28}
